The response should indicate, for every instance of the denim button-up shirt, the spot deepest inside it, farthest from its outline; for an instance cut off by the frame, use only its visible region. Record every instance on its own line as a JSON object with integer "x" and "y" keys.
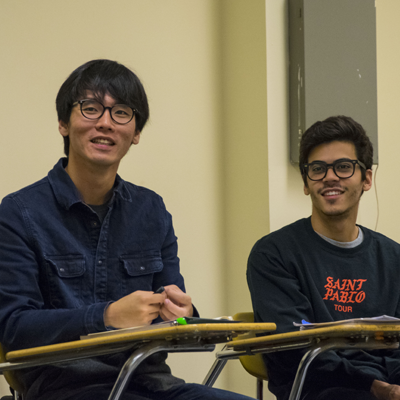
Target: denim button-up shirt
{"x": 60, "y": 266}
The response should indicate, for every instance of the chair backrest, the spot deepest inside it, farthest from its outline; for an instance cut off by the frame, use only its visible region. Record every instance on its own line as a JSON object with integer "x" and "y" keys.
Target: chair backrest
{"x": 254, "y": 365}
{"x": 9, "y": 375}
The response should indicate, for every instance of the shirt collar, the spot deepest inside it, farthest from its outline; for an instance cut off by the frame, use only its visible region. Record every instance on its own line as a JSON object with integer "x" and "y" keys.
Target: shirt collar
{"x": 66, "y": 192}
{"x": 346, "y": 245}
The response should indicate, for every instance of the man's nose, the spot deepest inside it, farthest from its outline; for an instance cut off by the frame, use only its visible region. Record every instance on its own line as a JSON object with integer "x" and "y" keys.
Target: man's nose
{"x": 330, "y": 174}
{"x": 105, "y": 120}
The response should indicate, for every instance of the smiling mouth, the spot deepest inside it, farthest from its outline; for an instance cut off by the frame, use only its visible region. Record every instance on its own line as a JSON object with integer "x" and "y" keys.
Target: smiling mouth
{"x": 332, "y": 193}
{"x": 103, "y": 141}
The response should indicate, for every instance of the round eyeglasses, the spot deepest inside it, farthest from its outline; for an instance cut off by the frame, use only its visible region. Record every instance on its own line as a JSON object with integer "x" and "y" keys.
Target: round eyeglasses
{"x": 93, "y": 109}
{"x": 343, "y": 168}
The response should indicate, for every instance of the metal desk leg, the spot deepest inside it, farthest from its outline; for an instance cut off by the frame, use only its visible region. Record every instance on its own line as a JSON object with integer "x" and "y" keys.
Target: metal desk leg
{"x": 221, "y": 358}
{"x": 214, "y": 372}
{"x": 333, "y": 344}
{"x": 301, "y": 372}
{"x": 141, "y": 354}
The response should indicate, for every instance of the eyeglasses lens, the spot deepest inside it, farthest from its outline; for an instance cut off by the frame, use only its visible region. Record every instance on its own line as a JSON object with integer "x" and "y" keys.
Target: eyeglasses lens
{"x": 121, "y": 113}
{"x": 343, "y": 169}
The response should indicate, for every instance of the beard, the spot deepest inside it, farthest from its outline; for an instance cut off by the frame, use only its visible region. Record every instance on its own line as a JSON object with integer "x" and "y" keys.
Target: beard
{"x": 339, "y": 208}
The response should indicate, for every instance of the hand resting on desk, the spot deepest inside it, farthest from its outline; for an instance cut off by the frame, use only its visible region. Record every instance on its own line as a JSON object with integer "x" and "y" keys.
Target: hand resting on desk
{"x": 141, "y": 308}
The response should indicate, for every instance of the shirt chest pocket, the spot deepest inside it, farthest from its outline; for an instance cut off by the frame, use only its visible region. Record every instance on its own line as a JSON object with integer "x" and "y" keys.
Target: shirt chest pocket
{"x": 65, "y": 280}
{"x": 138, "y": 271}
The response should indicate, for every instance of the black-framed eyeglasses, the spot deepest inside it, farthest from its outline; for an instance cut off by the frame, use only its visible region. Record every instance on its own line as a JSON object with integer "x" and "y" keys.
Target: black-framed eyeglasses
{"x": 93, "y": 109}
{"x": 343, "y": 168}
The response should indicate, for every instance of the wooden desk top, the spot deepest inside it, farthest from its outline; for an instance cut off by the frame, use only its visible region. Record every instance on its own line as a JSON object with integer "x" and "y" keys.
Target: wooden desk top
{"x": 379, "y": 330}
{"x": 207, "y": 333}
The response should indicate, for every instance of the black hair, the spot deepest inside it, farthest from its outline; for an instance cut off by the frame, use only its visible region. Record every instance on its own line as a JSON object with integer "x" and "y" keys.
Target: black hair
{"x": 102, "y": 77}
{"x": 340, "y": 128}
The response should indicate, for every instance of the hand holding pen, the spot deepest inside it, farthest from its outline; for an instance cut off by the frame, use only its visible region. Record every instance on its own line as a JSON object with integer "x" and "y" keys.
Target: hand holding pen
{"x": 176, "y": 305}
{"x": 160, "y": 290}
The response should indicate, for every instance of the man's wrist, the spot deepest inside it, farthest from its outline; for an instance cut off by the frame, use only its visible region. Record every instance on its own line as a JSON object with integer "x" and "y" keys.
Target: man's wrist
{"x": 106, "y": 317}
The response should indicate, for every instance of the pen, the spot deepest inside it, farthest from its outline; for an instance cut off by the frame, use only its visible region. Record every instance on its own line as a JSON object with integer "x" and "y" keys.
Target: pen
{"x": 159, "y": 290}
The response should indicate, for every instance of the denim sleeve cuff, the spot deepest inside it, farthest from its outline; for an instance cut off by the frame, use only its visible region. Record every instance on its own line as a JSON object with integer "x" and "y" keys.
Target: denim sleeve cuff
{"x": 108, "y": 328}
{"x": 364, "y": 382}
{"x": 94, "y": 318}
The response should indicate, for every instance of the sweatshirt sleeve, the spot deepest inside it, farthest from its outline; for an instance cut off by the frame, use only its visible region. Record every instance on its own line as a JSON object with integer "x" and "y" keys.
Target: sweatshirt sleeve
{"x": 277, "y": 297}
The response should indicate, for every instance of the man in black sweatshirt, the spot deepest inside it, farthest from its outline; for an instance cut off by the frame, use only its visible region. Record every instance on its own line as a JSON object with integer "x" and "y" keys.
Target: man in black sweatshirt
{"x": 326, "y": 268}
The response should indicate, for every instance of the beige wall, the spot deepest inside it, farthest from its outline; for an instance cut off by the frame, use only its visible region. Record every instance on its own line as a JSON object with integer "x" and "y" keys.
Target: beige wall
{"x": 173, "y": 47}
{"x": 244, "y": 154}
{"x": 388, "y": 49}
{"x": 214, "y": 149}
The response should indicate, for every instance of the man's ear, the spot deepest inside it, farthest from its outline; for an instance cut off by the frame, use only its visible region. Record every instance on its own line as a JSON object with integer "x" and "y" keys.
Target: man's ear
{"x": 63, "y": 128}
{"x": 305, "y": 187}
{"x": 136, "y": 138}
{"x": 367, "y": 183}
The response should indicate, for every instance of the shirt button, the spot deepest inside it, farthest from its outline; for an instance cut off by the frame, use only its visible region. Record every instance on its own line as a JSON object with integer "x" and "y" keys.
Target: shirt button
{"x": 142, "y": 268}
{"x": 94, "y": 223}
{"x": 99, "y": 262}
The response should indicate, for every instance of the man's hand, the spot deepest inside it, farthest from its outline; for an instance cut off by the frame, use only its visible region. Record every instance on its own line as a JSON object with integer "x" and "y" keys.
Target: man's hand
{"x": 135, "y": 309}
{"x": 177, "y": 304}
{"x": 385, "y": 391}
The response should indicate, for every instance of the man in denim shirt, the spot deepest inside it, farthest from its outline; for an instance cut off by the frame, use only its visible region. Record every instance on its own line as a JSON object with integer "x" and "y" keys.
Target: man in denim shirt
{"x": 83, "y": 251}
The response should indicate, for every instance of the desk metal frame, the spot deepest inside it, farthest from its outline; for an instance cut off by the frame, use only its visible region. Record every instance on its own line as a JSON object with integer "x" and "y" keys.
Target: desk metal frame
{"x": 342, "y": 336}
{"x": 188, "y": 338}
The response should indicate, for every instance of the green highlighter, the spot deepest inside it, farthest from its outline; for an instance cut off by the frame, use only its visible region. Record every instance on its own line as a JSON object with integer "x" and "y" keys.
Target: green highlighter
{"x": 194, "y": 320}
